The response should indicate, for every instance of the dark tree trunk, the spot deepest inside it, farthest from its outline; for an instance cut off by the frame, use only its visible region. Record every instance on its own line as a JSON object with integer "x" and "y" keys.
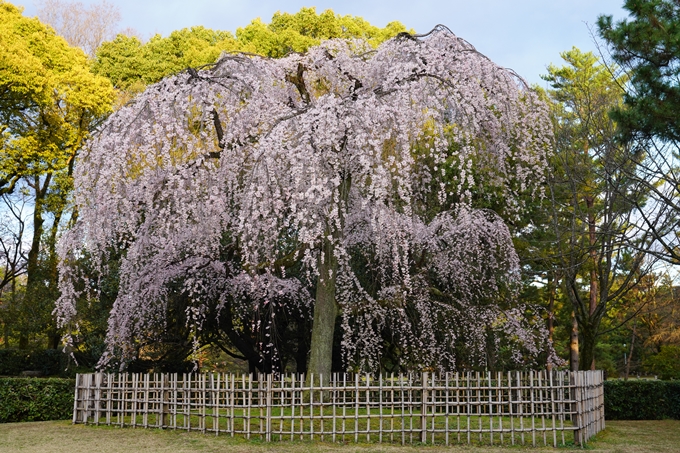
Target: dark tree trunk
{"x": 589, "y": 337}
{"x": 326, "y": 307}
{"x": 630, "y": 351}
{"x": 593, "y": 279}
{"x": 325, "y": 312}
{"x": 573, "y": 344}
{"x": 552, "y": 287}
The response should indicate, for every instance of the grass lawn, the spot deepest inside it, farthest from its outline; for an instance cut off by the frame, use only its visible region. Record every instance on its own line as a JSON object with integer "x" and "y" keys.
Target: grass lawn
{"x": 60, "y": 436}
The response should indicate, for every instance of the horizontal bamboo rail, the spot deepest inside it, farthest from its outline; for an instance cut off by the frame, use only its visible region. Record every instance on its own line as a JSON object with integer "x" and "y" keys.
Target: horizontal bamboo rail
{"x": 536, "y": 407}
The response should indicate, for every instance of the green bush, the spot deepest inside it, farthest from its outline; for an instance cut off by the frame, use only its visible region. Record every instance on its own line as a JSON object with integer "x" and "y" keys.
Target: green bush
{"x": 665, "y": 364}
{"x": 48, "y": 361}
{"x": 641, "y": 400}
{"x": 30, "y": 399}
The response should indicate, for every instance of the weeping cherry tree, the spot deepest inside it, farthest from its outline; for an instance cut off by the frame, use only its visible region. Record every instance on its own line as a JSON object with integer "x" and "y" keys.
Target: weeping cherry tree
{"x": 367, "y": 170}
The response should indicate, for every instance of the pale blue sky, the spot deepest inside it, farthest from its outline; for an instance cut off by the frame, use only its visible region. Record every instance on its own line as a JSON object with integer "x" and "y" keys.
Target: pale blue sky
{"x": 525, "y": 35}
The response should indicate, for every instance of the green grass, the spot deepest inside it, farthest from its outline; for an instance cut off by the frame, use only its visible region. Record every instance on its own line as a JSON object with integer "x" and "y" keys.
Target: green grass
{"x": 367, "y": 426}
{"x": 62, "y": 437}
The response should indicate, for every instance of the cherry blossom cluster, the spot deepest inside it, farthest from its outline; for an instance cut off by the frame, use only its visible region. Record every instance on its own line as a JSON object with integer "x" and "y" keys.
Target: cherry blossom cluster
{"x": 219, "y": 180}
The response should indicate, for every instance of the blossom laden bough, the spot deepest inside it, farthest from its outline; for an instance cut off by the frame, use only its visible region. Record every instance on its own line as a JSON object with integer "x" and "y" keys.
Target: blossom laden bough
{"x": 358, "y": 168}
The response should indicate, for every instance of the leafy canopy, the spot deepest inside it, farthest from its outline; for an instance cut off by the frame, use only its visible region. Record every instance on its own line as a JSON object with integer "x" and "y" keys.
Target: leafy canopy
{"x": 47, "y": 93}
{"x": 647, "y": 45}
{"x": 131, "y": 64}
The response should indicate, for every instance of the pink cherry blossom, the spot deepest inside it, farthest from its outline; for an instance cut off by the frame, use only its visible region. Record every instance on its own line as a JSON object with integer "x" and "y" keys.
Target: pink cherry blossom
{"x": 375, "y": 152}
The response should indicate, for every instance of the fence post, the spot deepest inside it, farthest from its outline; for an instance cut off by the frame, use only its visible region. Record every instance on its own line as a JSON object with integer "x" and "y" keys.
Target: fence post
{"x": 97, "y": 396}
{"x": 268, "y": 420}
{"x": 86, "y": 400}
{"x": 576, "y": 382}
{"x": 75, "y": 399}
{"x": 163, "y": 397}
{"x": 423, "y": 409}
{"x": 601, "y": 400}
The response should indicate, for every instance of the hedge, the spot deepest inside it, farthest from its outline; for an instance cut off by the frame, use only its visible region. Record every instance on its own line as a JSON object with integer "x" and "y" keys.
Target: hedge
{"x": 32, "y": 399}
{"x": 48, "y": 361}
{"x": 641, "y": 400}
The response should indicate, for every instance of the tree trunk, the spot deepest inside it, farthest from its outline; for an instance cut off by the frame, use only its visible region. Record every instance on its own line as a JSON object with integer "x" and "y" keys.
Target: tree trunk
{"x": 38, "y": 221}
{"x": 32, "y": 263}
{"x": 630, "y": 352}
{"x": 593, "y": 271}
{"x": 325, "y": 312}
{"x": 551, "y": 312}
{"x": 573, "y": 344}
{"x": 588, "y": 335}
{"x": 326, "y": 307}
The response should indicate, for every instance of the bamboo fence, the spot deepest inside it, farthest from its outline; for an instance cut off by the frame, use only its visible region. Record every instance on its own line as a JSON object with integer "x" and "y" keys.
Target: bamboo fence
{"x": 534, "y": 407}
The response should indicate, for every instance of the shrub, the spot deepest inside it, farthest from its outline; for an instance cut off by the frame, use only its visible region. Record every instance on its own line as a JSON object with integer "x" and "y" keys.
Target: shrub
{"x": 29, "y": 399}
{"x": 665, "y": 364}
{"x": 641, "y": 400}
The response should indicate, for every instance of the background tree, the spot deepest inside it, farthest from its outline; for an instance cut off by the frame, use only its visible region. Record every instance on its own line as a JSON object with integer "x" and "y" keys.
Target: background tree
{"x": 49, "y": 102}
{"x": 356, "y": 167}
{"x": 657, "y": 332}
{"x": 131, "y": 65}
{"x": 298, "y": 32}
{"x": 647, "y": 46}
{"x": 602, "y": 248}
{"x": 13, "y": 222}
{"x": 80, "y": 26}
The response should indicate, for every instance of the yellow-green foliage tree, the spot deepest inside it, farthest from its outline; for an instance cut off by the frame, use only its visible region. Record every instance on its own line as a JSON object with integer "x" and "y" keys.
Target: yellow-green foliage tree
{"x": 298, "y": 32}
{"x": 49, "y": 102}
{"x": 131, "y": 64}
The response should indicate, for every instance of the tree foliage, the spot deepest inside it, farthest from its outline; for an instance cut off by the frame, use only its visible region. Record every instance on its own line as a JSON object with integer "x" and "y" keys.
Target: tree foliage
{"x": 341, "y": 179}
{"x": 298, "y": 32}
{"x": 49, "y": 101}
{"x": 602, "y": 247}
{"x": 47, "y": 92}
{"x": 132, "y": 65}
{"x": 647, "y": 45}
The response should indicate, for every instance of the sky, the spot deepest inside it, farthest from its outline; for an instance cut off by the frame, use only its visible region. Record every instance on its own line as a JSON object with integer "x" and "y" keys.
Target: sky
{"x": 524, "y": 35}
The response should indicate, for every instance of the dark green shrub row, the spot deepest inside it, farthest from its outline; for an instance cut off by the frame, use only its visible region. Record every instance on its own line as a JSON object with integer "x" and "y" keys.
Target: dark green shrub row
{"x": 641, "y": 400}
{"x": 31, "y": 399}
{"x": 48, "y": 361}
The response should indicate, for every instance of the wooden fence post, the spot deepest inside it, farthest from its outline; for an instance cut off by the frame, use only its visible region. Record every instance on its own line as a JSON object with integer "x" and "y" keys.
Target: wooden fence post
{"x": 576, "y": 382}
{"x": 268, "y": 420}
{"x": 76, "y": 398}
{"x": 423, "y": 408}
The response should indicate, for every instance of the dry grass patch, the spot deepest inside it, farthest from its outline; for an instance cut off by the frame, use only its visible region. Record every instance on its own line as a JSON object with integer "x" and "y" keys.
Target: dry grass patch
{"x": 62, "y": 437}
{"x": 646, "y": 436}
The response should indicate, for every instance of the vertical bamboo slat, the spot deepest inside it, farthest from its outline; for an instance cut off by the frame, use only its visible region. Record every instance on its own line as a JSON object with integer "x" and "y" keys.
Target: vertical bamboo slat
{"x": 541, "y": 404}
{"x": 488, "y": 376}
{"x": 469, "y": 407}
{"x": 510, "y": 410}
{"x": 500, "y": 406}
